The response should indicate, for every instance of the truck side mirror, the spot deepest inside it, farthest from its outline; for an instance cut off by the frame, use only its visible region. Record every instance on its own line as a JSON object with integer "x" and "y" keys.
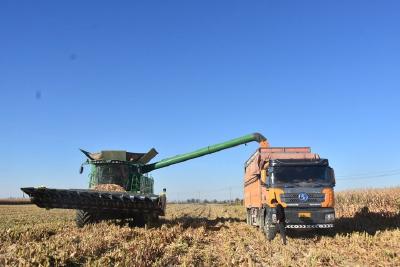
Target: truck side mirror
{"x": 263, "y": 176}
{"x": 332, "y": 175}
{"x": 81, "y": 170}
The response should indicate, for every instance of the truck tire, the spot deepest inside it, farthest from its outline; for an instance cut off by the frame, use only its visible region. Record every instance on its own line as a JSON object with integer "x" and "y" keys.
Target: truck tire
{"x": 261, "y": 219}
{"x": 269, "y": 230}
{"x": 248, "y": 217}
{"x": 83, "y": 218}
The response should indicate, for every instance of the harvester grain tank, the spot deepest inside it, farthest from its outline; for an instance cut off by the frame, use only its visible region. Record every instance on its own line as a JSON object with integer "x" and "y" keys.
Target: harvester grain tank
{"x": 298, "y": 179}
{"x": 125, "y": 173}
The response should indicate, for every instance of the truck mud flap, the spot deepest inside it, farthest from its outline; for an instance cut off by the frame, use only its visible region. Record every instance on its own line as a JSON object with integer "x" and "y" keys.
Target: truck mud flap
{"x": 91, "y": 200}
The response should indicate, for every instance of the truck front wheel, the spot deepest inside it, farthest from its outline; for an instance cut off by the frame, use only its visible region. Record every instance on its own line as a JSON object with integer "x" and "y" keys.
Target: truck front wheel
{"x": 262, "y": 219}
{"x": 269, "y": 230}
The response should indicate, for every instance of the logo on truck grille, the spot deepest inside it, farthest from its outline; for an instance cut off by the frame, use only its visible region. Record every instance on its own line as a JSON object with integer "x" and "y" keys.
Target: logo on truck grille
{"x": 303, "y": 197}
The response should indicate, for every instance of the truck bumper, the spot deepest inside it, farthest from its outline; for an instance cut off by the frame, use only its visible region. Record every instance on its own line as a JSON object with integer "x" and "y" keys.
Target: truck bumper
{"x": 310, "y": 218}
{"x": 310, "y": 226}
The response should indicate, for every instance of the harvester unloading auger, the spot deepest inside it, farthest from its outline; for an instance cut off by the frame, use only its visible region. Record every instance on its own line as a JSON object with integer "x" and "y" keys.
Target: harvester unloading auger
{"x": 128, "y": 172}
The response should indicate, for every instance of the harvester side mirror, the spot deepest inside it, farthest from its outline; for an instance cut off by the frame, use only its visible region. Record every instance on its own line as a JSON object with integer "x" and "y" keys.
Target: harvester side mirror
{"x": 81, "y": 170}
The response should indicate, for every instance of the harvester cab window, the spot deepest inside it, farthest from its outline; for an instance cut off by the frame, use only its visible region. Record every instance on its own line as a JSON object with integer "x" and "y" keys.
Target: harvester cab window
{"x": 112, "y": 174}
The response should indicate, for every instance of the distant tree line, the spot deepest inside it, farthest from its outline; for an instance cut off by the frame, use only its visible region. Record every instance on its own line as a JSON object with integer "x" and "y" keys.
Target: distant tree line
{"x": 236, "y": 201}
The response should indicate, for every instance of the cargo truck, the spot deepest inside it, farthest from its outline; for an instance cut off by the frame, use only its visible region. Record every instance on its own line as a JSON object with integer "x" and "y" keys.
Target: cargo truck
{"x": 298, "y": 179}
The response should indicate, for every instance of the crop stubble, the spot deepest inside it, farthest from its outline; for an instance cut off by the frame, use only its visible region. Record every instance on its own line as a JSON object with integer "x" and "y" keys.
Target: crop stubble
{"x": 210, "y": 235}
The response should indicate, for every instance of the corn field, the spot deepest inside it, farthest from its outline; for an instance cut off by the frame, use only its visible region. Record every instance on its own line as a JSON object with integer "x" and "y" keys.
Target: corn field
{"x": 367, "y": 233}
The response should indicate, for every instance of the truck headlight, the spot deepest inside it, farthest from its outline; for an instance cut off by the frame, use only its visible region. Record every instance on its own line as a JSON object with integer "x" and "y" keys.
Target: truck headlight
{"x": 330, "y": 217}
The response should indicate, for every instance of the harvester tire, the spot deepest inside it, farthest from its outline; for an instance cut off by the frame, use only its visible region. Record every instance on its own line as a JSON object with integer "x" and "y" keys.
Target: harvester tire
{"x": 83, "y": 218}
{"x": 139, "y": 220}
{"x": 153, "y": 218}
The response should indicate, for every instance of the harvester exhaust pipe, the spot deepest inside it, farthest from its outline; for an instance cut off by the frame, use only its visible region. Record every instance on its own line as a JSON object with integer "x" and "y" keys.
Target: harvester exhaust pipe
{"x": 254, "y": 137}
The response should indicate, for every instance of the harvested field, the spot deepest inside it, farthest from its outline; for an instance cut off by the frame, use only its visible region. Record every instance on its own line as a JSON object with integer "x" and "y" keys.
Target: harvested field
{"x": 204, "y": 235}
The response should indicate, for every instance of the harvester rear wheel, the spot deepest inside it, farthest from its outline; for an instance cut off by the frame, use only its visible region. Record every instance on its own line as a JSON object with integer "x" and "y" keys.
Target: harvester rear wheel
{"x": 83, "y": 217}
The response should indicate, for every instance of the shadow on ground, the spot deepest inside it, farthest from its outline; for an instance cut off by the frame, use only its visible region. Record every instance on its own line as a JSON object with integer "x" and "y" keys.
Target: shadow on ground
{"x": 362, "y": 221}
{"x": 196, "y": 222}
{"x": 370, "y": 222}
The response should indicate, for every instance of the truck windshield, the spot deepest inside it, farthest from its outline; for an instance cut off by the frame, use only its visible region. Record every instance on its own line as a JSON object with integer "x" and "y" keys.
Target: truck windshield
{"x": 302, "y": 175}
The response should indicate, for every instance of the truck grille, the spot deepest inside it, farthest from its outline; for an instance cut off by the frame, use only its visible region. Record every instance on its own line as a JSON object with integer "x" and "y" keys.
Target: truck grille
{"x": 293, "y": 198}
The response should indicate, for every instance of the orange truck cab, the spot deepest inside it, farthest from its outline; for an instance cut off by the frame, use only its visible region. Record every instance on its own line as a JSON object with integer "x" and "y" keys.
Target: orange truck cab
{"x": 298, "y": 179}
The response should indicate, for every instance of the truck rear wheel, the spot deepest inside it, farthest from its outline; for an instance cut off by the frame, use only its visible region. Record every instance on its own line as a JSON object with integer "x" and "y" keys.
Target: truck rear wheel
{"x": 248, "y": 217}
{"x": 83, "y": 218}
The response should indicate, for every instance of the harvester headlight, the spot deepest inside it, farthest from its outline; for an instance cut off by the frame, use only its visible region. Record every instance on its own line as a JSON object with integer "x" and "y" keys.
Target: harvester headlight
{"x": 330, "y": 217}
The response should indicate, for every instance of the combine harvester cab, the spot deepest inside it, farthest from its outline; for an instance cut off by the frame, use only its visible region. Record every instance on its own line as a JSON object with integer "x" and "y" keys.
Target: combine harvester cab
{"x": 299, "y": 180}
{"x": 119, "y": 185}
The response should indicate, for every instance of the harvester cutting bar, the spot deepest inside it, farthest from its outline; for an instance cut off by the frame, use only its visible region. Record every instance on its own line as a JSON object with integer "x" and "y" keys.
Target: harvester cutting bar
{"x": 90, "y": 200}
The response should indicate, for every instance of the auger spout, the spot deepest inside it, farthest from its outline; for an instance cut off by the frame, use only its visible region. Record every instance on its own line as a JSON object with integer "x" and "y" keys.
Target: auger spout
{"x": 254, "y": 137}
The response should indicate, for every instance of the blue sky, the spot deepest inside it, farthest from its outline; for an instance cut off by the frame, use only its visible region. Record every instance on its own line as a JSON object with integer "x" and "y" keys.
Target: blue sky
{"x": 180, "y": 75}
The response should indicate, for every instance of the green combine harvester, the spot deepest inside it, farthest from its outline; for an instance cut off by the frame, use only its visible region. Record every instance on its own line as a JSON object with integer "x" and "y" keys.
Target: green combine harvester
{"x": 120, "y": 186}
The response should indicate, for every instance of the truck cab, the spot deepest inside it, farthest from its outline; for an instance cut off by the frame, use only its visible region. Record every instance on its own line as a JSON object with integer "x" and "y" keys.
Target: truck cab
{"x": 305, "y": 190}
{"x": 299, "y": 180}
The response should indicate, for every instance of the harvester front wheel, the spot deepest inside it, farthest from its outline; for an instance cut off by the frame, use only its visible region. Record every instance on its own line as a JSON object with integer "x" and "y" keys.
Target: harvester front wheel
{"x": 139, "y": 220}
{"x": 83, "y": 217}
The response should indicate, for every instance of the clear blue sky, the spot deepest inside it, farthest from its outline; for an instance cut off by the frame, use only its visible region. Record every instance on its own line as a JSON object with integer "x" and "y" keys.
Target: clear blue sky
{"x": 180, "y": 75}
